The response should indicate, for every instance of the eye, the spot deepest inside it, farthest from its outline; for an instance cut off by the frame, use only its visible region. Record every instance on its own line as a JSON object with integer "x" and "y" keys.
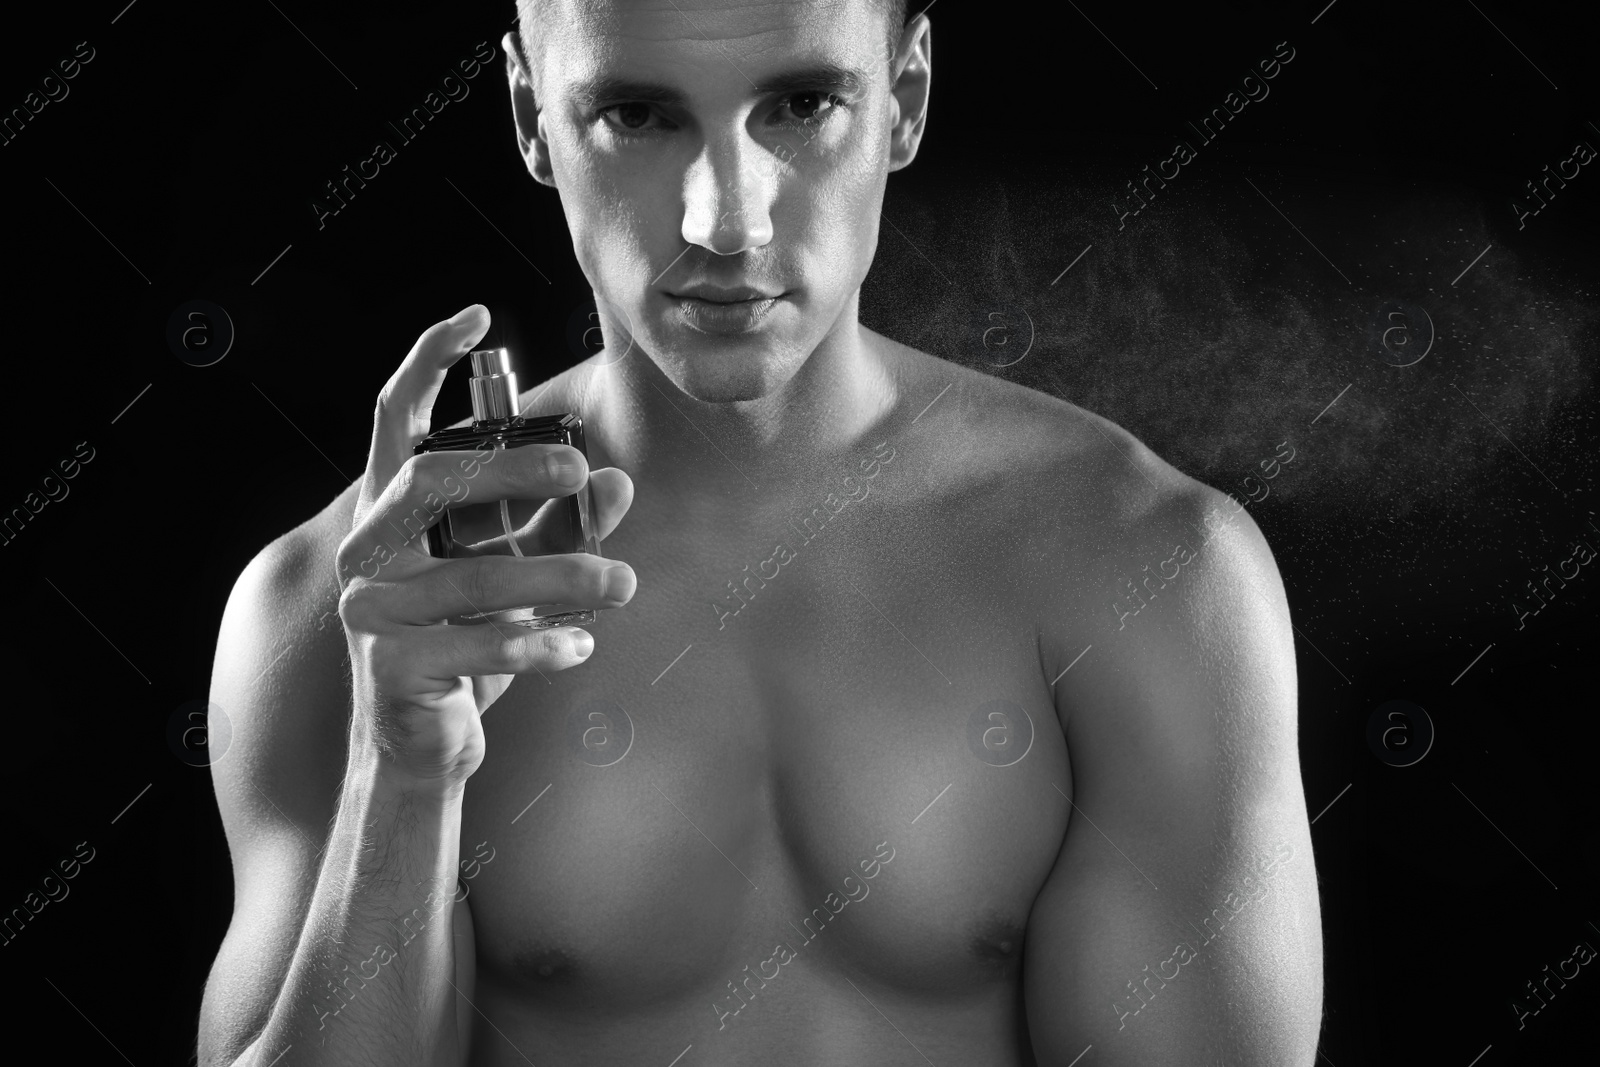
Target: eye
{"x": 627, "y": 118}
{"x": 809, "y": 106}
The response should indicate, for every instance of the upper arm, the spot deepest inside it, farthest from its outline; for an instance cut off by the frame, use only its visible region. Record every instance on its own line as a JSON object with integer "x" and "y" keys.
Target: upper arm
{"x": 279, "y": 679}
{"x": 1180, "y": 923}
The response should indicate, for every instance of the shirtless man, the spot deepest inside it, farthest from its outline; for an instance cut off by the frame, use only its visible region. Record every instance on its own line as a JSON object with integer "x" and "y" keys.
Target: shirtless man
{"x": 944, "y": 722}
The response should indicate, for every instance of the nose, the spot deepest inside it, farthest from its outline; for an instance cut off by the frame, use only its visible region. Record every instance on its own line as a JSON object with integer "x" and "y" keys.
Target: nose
{"x": 727, "y": 196}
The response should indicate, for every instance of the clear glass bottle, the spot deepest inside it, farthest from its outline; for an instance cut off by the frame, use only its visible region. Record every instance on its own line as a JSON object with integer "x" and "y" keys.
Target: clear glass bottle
{"x": 522, "y": 527}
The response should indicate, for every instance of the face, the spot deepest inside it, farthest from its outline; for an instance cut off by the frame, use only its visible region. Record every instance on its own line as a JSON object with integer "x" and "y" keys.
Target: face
{"x": 721, "y": 164}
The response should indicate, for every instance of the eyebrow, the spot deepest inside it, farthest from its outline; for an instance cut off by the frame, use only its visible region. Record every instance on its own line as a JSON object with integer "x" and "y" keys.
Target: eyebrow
{"x": 605, "y": 88}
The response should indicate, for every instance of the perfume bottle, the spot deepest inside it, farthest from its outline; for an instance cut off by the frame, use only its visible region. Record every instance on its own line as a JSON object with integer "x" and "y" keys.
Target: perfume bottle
{"x": 523, "y": 527}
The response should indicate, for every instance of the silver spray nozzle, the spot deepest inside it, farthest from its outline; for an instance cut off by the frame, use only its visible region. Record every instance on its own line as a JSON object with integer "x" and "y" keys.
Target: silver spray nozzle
{"x": 494, "y": 385}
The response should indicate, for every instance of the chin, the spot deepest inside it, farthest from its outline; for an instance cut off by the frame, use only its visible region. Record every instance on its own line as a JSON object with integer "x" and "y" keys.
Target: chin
{"x": 717, "y": 386}
{"x": 713, "y": 371}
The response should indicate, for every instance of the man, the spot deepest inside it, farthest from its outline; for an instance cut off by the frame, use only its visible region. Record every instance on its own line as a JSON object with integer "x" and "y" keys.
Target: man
{"x": 943, "y": 723}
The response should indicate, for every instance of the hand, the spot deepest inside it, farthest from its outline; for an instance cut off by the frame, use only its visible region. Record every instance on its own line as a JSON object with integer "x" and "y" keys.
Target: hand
{"x": 420, "y": 685}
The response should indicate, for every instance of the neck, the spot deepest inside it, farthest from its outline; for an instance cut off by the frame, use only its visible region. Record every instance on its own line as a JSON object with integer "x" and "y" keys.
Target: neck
{"x": 650, "y": 428}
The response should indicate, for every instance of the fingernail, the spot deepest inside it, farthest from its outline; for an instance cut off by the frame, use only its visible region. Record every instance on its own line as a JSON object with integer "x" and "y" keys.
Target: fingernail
{"x": 564, "y": 469}
{"x": 468, "y": 314}
{"x": 618, "y": 582}
{"x": 582, "y": 642}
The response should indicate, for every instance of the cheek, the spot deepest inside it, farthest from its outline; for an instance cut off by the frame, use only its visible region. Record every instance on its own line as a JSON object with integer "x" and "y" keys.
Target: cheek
{"x": 608, "y": 248}
{"x": 844, "y": 254}
{"x": 832, "y": 220}
{"x": 625, "y": 227}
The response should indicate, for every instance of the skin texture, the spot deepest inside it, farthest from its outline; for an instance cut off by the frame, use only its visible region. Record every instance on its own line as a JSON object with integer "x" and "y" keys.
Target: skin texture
{"x": 776, "y": 745}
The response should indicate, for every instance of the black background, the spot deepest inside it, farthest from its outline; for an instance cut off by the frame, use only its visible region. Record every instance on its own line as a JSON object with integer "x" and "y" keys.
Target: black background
{"x": 185, "y": 160}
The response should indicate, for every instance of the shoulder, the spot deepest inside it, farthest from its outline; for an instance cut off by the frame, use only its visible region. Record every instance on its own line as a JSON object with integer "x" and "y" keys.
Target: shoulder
{"x": 1065, "y": 467}
{"x": 1173, "y": 588}
{"x": 1101, "y": 522}
{"x": 295, "y": 571}
{"x": 279, "y": 676}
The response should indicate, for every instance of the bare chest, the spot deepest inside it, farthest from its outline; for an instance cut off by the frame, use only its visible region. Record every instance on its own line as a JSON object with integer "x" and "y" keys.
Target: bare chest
{"x": 811, "y": 745}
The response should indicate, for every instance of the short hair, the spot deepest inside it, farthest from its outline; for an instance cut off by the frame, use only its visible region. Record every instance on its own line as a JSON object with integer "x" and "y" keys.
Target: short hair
{"x": 530, "y": 14}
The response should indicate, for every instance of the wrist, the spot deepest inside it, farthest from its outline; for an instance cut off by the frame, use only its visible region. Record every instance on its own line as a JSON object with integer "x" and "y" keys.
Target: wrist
{"x": 390, "y": 780}
{"x": 382, "y": 767}
{"x": 383, "y": 777}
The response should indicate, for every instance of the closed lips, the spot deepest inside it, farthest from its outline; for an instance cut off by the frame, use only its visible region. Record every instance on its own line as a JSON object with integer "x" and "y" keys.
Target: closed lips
{"x": 711, "y": 295}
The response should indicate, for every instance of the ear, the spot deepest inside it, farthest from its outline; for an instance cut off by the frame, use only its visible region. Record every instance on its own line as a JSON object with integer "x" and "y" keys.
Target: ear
{"x": 911, "y": 75}
{"x": 531, "y": 143}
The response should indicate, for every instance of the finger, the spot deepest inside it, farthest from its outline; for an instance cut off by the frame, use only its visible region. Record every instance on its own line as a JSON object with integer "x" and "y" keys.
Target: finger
{"x": 541, "y": 526}
{"x": 492, "y": 583}
{"x": 516, "y": 528}
{"x": 405, "y": 405}
{"x": 425, "y": 485}
{"x": 452, "y": 652}
{"x": 612, "y": 492}
{"x": 538, "y": 526}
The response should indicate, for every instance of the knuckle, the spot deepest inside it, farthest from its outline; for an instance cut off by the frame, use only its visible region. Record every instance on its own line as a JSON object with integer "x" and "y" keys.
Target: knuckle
{"x": 427, "y": 465}
{"x": 345, "y": 555}
{"x": 546, "y": 644}
{"x": 390, "y": 404}
{"x": 438, "y": 330}
{"x": 482, "y": 582}
{"x": 385, "y": 666}
{"x": 471, "y": 582}
{"x": 358, "y": 560}
{"x": 526, "y": 471}
{"x": 408, "y": 477}
{"x": 419, "y": 484}
{"x": 507, "y": 656}
{"x": 348, "y": 558}
{"x": 355, "y": 604}
{"x": 439, "y": 473}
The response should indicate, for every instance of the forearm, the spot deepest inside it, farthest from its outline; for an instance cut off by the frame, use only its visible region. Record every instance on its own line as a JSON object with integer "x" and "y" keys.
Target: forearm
{"x": 370, "y": 982}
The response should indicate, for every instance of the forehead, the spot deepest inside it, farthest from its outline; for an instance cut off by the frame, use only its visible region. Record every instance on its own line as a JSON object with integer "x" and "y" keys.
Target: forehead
{"x": 687, "y": 41}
